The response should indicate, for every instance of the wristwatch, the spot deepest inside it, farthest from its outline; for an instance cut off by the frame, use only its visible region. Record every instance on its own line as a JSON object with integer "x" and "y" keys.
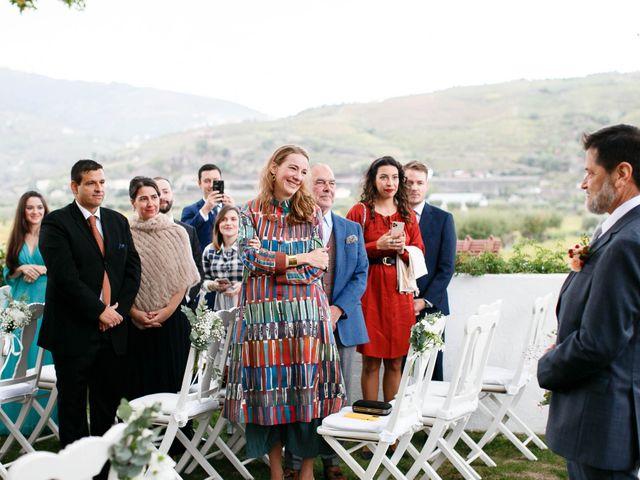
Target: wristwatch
{"x": 292, "y": 261}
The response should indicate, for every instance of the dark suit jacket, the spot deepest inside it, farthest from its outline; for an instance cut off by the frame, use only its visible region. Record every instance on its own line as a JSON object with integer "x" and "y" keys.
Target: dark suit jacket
{"x": 75, "y": 270}
{"x": 191, "y": 216}
{"x": 439, "y": 238}
{"x": 196, "y": 252}
{"x": 349, "y": 280}
{"x": 594, "y": 369}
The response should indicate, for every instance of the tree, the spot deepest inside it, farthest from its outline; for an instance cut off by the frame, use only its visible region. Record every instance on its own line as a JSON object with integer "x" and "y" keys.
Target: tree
{"x": 24, "y": 4}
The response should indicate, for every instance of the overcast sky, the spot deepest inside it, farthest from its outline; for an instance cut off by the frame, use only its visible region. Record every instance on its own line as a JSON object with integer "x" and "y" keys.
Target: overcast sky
{"x": 281, "y": 57}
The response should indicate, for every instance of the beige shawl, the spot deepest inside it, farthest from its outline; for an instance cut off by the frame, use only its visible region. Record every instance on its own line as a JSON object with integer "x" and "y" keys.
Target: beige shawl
{"x": 166, "y": 261}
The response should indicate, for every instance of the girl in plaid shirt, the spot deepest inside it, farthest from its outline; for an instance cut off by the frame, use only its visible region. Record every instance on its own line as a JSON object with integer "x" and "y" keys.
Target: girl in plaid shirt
{"x": 222, "y": 267}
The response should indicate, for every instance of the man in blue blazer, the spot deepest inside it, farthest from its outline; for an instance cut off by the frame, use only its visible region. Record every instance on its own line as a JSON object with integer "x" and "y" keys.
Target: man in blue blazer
{"x": 593, "y": 370}
{"x": 439, "y": 237}
{"x": 202, "y": 214}
{"x": 344, "y": 283}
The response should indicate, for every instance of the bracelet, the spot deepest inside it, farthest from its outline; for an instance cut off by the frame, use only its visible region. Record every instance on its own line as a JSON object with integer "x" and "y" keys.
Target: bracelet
{"x": 292, "y": 261}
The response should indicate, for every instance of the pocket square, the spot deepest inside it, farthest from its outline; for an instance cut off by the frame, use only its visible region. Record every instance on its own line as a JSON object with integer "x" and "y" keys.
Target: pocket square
{"x": 352, "y": 239}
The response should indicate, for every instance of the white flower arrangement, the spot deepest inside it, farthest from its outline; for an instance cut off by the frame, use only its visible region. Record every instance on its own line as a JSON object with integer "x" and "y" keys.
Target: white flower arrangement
{"x": 134, "y": 457}
{"x": 424, "y": 335}
{"x": 14, "y": 316}
{"x": 206, "y": 326}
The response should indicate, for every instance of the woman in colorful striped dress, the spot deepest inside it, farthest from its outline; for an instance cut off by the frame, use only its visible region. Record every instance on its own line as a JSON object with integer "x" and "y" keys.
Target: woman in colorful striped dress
{"x": 285, "y": 373}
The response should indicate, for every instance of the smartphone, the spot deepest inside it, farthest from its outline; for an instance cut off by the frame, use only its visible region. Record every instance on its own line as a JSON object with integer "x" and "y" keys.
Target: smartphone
{"x": 223, "y": 281}
{"x": 218, "y": 185}
{"x": 397, "y": 228}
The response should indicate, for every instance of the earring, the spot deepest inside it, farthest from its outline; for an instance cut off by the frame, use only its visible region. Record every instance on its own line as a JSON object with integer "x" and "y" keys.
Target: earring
{"x": 273, "y": 177}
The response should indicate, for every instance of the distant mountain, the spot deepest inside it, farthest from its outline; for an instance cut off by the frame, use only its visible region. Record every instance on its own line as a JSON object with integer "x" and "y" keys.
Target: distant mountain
{"x": 48, "y": 122}
{"x": 529, "y": 128}
{"x": 514, "y": 139}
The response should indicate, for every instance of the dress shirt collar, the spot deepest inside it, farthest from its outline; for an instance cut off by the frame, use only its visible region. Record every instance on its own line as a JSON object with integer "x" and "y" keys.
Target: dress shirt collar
{"x": 86, "y": 213}
{"x": 619, "y": 212}
{"x": 419, "y": 208}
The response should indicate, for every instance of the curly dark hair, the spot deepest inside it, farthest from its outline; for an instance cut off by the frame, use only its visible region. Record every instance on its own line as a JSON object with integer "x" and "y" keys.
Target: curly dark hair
{"x": 370, "y": 192}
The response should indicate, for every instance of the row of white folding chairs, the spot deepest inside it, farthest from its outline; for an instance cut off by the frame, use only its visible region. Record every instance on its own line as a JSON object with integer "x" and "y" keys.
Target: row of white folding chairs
{"x": 446, "y": 407}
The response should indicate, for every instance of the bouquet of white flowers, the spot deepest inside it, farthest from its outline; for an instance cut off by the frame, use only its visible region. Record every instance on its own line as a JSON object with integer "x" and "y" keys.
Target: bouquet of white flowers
{"x": 15, "y": 315}
{"x": 206, "y": 326}
{"x": 423, "y": 334}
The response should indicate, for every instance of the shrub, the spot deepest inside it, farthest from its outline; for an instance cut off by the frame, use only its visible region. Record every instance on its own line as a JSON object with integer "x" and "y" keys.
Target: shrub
{"x": 527, "y": 257}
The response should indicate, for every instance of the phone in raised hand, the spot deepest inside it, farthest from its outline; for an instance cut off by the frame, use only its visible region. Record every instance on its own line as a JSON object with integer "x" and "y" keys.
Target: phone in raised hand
{"x": 397, "y": 229}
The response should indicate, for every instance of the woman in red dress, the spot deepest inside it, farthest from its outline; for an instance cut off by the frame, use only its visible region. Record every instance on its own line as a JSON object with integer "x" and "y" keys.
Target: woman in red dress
{"x": 388, "y": 314}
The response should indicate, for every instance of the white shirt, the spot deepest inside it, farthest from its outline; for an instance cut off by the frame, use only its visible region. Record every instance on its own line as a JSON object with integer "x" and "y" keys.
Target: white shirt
{"x": 86, "y": 214}
{"x": 619, "y": 212}
{"x": 418, "y": 209}
{"x": 327, "y": 228}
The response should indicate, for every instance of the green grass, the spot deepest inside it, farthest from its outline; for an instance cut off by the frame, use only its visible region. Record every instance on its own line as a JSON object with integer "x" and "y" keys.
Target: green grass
{"x": 511, "y": 464}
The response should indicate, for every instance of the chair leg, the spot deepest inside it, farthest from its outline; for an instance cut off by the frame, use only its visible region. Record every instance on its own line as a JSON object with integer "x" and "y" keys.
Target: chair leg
{"x": 45, "y": 417}
{"x": 476, "y": 451}
{"x": 421, "y": 461}
{"x": 195, "y": 453}
{"x": 531, "y": 435}
{"x": 14, "y": 429}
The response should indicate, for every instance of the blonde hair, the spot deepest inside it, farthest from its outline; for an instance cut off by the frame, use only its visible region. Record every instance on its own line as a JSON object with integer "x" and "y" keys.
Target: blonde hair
{"x": 302, "y": 202}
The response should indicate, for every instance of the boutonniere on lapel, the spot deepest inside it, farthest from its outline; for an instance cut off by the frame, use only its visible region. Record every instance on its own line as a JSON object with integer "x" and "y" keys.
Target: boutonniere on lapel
{"x": 351, "y": 239}
{"x": 578, "y": 254}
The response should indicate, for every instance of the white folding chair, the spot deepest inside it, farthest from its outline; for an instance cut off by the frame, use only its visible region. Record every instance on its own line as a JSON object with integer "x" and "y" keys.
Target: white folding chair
{"x": 450, "y": 413}
{"x": 47, "y": 388}
{"x": 21, "y": 387}
{"x": 379, "y": 433}
{"x": 197, "y": 399}
{"x": 81, "y": 460}
{"x": 503, "y": 388}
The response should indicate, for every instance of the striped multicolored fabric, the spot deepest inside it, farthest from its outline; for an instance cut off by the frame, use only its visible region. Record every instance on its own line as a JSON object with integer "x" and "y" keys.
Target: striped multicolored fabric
{"x": 284, "y": 360}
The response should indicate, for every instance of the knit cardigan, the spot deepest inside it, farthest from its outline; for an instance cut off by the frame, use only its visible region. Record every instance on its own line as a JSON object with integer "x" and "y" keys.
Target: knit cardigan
{"x": 166, "y": 261}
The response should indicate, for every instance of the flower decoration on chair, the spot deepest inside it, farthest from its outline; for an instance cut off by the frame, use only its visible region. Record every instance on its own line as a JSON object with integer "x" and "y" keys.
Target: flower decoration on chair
{"x": 14, "y": 315}
{"x": 206, "y": 326}
{"x": 578, "y": 254}
{"x": 135, "y": 457}
{"x": 424, "y": 335}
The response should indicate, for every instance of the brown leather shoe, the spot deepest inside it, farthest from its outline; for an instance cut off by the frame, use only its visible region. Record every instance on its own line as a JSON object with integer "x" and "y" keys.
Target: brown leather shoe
{"x": 333, "y": 472}
{"x": 291, "y": 474}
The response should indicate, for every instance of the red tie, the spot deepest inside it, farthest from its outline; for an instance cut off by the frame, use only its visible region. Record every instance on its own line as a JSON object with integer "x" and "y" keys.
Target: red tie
{"x": 106, "y": 286}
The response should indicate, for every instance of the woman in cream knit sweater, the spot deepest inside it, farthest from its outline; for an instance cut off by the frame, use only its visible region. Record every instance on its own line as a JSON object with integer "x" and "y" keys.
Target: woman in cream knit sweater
{"x": 159, "y": 337}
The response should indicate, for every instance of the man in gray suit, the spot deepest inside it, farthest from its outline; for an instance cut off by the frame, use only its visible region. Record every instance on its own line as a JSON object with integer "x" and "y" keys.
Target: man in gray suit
{"x": 593, "y": 370}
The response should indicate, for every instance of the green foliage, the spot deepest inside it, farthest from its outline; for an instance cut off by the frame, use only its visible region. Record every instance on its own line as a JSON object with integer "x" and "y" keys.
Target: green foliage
{"x": 481, "y": 223}
{"x": 133, "y": 452}
{"x": 31, "y": 4}
{"x": 527, "y": 257}
{"x": 590, "y": 222}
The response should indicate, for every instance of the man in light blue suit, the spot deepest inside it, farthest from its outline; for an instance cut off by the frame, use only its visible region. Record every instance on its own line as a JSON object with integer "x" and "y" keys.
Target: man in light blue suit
{"x": 344, "y": 283}
{"x": 439, "y": 237}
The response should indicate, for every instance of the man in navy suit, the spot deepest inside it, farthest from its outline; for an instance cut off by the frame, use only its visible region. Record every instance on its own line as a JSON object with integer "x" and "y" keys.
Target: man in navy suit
{"x": 94, "y": 274}
{"x": 202, "y": 214}
{"x": 344, "y": 283}
{"x": 439, "y": 238}
{"x": 593, "y": 370}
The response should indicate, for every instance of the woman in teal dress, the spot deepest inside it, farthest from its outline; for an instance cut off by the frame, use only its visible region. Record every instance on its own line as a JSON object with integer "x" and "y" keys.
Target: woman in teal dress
{"x": 26, "y": 273}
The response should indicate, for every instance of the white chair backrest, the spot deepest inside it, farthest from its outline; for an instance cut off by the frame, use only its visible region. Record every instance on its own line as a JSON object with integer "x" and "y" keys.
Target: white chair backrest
{"x": 20, "y": 346}
{"x": 408, "y": 399}
{"x": 211, "y": 362}
{"x": 81, "y": 460}
{"x": 5, "y": 294}
{"x": 438, "y": 328}
{"x": 533, "y": 340}
{"x": 466, "y": 381}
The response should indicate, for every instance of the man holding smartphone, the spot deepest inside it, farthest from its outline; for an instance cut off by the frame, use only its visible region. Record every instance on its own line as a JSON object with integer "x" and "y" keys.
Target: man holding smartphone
{"x": 202, "y": 214}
